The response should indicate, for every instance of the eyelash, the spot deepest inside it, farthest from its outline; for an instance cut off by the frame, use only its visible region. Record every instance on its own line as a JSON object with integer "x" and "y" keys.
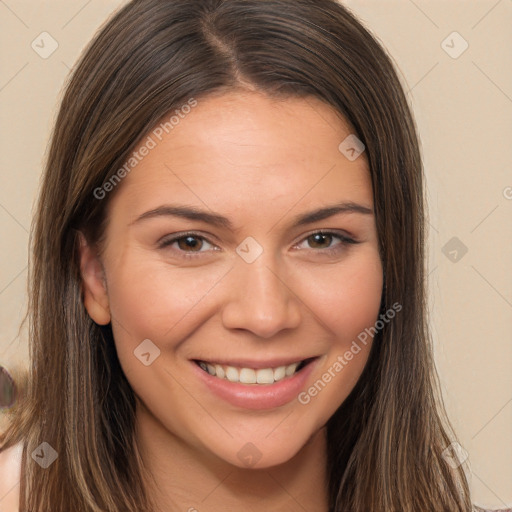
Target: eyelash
{"x": 345, "y": 240}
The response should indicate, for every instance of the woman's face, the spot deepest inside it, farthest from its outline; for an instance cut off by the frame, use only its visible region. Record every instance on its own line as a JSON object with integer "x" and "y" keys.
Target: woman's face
{"x": 215, "y": 262}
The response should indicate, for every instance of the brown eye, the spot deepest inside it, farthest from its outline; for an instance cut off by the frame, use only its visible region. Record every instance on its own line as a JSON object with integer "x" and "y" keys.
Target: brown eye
{"x": 193, "y": 243}
{"x": 327, "y": 242}
{"x": 320, "y": 241}
{"x": 187, "y": 245}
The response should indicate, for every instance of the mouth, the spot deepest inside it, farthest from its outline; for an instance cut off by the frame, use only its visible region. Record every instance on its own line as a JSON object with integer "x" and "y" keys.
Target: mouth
{"x": 257, "y": 385}
{"x": 253, "y": 376}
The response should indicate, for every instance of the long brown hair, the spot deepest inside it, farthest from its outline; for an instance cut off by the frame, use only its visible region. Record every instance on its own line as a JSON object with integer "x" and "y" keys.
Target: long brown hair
{"x": 386, "y": 441}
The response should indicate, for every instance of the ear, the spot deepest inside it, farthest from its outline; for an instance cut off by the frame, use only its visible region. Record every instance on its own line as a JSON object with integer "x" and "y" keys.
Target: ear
{"x": 94, "y": 283}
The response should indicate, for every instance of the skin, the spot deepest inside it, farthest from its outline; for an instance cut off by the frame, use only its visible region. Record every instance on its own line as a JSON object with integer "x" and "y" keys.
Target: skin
{"x": 259, "y": 162}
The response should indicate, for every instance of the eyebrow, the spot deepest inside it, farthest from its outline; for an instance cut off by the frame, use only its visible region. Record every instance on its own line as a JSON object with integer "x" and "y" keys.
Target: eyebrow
{"x": 194, "y": 213}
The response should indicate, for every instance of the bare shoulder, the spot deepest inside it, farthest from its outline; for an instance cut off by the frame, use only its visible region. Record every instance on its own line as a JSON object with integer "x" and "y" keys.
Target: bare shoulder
{"x": 10, "y": 472}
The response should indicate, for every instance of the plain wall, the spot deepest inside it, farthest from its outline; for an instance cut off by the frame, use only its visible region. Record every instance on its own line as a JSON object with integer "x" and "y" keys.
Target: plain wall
{"x": 463, "y": 107}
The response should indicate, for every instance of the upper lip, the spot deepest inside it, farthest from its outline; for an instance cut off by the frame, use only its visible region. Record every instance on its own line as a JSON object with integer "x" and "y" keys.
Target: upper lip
{"x": 248, "y": 363}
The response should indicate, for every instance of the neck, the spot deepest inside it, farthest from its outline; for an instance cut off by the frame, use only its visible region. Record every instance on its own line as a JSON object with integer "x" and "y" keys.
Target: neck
{"x": 181, "y": 478}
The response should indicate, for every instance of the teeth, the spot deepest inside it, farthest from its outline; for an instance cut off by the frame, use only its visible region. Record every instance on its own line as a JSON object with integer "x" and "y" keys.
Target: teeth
{"x": 232, "y": 374}
{"x": 247, "y": 376}
{"x": 290, "y": 369}
{"x": 250, "y": 375}
{"x": 280, "y": 373}
{"x": 219, "y": 371}
{"x": 265, "y": 376}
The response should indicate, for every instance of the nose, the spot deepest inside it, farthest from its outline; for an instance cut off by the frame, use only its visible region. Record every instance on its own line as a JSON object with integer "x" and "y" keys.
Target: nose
{"x": 260, "y": 300}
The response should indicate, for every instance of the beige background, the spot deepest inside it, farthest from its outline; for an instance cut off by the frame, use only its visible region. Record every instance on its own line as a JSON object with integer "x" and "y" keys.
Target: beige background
{"x": 463, "y": 107}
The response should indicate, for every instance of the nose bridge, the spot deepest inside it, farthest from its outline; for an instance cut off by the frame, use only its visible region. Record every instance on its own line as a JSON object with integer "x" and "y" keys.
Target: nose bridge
{"x": 261, "y": 300}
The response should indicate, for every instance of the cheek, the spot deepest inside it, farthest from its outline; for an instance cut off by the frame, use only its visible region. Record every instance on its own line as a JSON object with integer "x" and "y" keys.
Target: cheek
{"x": 348, "y": 306}
{"x": 150, "y": 299}
{"x": 345, "y": 297}
{"x": 359, "y": 301}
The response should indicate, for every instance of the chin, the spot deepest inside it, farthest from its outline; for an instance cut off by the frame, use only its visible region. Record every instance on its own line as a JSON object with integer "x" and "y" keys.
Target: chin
{"x": 262, "y": 451}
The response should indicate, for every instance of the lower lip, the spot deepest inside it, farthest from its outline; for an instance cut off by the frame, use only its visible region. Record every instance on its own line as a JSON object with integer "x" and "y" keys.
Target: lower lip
{"x": 257, "y": 396}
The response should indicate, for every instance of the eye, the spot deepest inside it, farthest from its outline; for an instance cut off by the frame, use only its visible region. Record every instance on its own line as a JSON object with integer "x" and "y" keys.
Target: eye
{"x": 189, "y": 245}
{"x": 323, "y": 241}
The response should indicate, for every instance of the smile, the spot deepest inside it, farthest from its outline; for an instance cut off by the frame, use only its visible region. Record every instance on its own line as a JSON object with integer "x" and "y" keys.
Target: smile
{"x": 253, "y": 384}
{"x": 252, "y": 375}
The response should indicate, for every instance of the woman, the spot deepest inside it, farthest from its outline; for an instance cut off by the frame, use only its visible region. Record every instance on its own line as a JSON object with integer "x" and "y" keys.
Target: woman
{"x": 228, "y": 304}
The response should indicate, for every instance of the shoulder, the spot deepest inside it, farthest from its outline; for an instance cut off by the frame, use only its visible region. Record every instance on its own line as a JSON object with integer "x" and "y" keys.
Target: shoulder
{"x": 10, "y": 473}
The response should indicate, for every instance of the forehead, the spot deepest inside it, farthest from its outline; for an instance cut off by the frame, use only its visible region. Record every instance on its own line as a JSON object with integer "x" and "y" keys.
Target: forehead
{"x": 240, "y": 144}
